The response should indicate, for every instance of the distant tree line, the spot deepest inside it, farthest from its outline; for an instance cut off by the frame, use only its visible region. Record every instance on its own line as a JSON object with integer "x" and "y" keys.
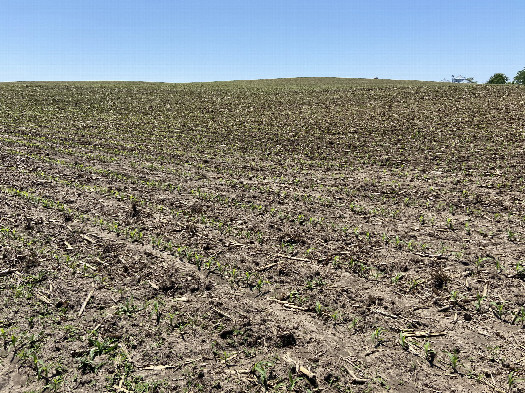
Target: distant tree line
{"x": 502, "y": 79}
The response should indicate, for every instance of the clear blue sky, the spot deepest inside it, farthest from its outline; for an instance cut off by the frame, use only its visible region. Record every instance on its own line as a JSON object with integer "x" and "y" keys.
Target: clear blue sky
{"x": 206, "y": 40}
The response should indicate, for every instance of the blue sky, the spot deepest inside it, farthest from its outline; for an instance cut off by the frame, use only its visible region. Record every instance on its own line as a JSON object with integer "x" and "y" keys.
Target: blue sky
{"x": 205, "y": 40}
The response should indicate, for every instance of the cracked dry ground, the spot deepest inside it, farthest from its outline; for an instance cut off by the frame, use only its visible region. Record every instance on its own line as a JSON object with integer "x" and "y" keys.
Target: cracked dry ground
{"x": 289, "y": 235}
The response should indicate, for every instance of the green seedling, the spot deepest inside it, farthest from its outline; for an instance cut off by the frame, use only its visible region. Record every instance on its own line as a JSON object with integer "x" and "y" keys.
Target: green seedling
{"x": 499, "y": 309}
{"x": 450, "y": 224}
{"x": 55, "y": 383}
{"x": 354, "y": 323}
{"x": 497, "y": 265}
{"x": 14, "y": 340}
{"x": 430, "y": 354}
{"x": 225, "y": 356}
{"x": 259, "y": 285}
{"x": 3, "y": 335}
{"x": 410, "y": 245}
{"x": 512, "y": 380}
{"x": 398, "y": 242}
{"x": 318, "y": 309}
{"x": 171, "y": 318}
{"x": 454, "y": 360}
{"x": 479, "y": 300}
{"x": 480, "y": 262}
{"x": 100, "y": 347}
{"x": 335, "y": 316}
{"x": 233, "y": 275}
{"x": 403, "y": 340}
{"x": 376, "y": 273}
{"x": 377, "y": 336}
{"x": 397, "y": 277}
{"x": 292, "y": 381}
{"x": 520, "y": 270}
{"x": 156, "y": 312}
{"x": 182, "y": 327}
{"x": 262, "y": 370}
{"x": 519, "y": 316}
{"x": 87, "y": 365}
{"x": 414, "y": 283}
{"x": 42, "y": 370}
{"x": 128, "y": 308}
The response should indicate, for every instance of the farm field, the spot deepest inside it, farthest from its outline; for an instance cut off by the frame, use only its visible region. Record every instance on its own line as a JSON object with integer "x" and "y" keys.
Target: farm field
{"x": 294, "y": 235}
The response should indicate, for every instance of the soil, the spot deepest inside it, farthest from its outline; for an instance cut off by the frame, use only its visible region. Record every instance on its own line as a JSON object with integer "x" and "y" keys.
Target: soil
{"x": 311, "y": 234}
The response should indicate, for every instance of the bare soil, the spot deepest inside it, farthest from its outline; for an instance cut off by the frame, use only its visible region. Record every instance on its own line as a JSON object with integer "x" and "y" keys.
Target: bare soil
{"x": 322, "y": 235}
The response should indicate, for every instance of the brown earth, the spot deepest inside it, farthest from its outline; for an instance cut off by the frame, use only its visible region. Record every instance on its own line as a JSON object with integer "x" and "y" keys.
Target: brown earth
{"x": 287, "y": 235}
